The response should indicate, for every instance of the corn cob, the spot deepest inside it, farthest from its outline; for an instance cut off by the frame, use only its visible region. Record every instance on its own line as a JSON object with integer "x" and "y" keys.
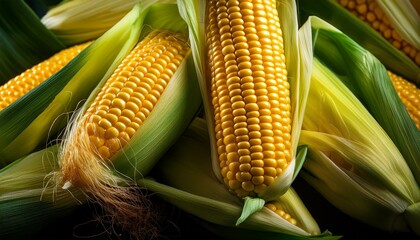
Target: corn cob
{"x": 128, "y": 97}
{"x": 111, "y": 119}
{"x": 409, "y": 94}
{"x": 370, "y": 12}
{"x": 23, "y": 83}
{"x": 276, "y": 207}
{"x": 250, "y": 93}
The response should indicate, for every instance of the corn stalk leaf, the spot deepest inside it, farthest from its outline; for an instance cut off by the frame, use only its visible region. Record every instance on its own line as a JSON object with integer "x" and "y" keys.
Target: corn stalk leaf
{"x": 22, "y": 45}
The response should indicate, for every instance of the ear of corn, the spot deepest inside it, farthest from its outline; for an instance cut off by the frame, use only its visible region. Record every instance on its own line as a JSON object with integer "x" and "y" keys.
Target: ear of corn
{"x": 17, "y": 51}
{"x": 365, "y": 35}
{"x": 32, "y": 119}
{"x": 250, "y": 96}
{"x": 382, "y": 16}
{"x": 20, "y": 85}
{"x": 121, "y": 106}
{"x": 76, "y": 21}
{"x": 352, "y": 161}
{"x": 367, "y": 78}
{"x": 129, "y": 121}
{"x": 201, "y": 194}
{"x": 242, "y": 91}
{"x": 410, "y": 96}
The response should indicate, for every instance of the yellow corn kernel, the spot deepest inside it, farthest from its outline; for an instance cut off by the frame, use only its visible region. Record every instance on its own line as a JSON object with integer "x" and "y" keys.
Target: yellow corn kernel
{"x": 410, "y": 96}
{"x": 250, "y": 93}
{"x": 370, "y": 12}
{"x": 279, "y": 210}
{"x": 23, "y": 83}
{"x": 134, "y": 87}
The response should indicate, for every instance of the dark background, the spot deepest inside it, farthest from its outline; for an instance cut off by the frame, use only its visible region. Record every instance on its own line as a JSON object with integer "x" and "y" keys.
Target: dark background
{"x": 180, "y": 225}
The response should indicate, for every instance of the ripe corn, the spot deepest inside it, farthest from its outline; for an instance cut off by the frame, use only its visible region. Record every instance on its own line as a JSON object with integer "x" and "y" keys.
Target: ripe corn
{"x": 250, "y": 93}
{"x": 128, "y": 96}
{"x": 370, "y": 12}
{"x": 18, "y": 86}
{"x": 108, "y": 122}
{"x": 279, "y": 210}
{"x": 410, "y": 96}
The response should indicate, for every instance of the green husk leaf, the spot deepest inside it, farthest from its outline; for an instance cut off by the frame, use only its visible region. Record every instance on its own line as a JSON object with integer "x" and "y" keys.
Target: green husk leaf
{"x": 302, "y": 150}
{"x": 363, "y": 34}
{"x": 412, "y": 214}
{"x": 251, "y": 205}
{"x": 245, "y": 234}
{"x": 367, "y": 78}
{"x": 351, "y": 160}
{"x": 165, "y": 12}
{"x": 172, "y": 114}
{"x": 78, "y": 21}
{"x": 199, "y": 193}
{"x": 404, "y": 19}
{"x": 25, "y": 203}
{"x": 31, "y": 120}
{"x": 20, "y": 31}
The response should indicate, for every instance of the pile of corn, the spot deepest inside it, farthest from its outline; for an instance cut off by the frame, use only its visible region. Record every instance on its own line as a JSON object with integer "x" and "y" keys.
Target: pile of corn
{"x": 257, "y": 119}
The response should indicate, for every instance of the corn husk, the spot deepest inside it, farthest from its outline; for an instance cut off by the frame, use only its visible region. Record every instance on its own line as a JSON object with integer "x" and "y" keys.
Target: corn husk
{"x": 351, "y": 160}
{"x": 184, "y": 178}
{"x": 394, "y": 60}
{"x": 24, "y": 201}
{"x": 77, "y": 21}
{"x": 298, "y": 62}
{"x": 404, "y": 18}
{"x": 29, "y": 122}
{"x": 367, "y": 78}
